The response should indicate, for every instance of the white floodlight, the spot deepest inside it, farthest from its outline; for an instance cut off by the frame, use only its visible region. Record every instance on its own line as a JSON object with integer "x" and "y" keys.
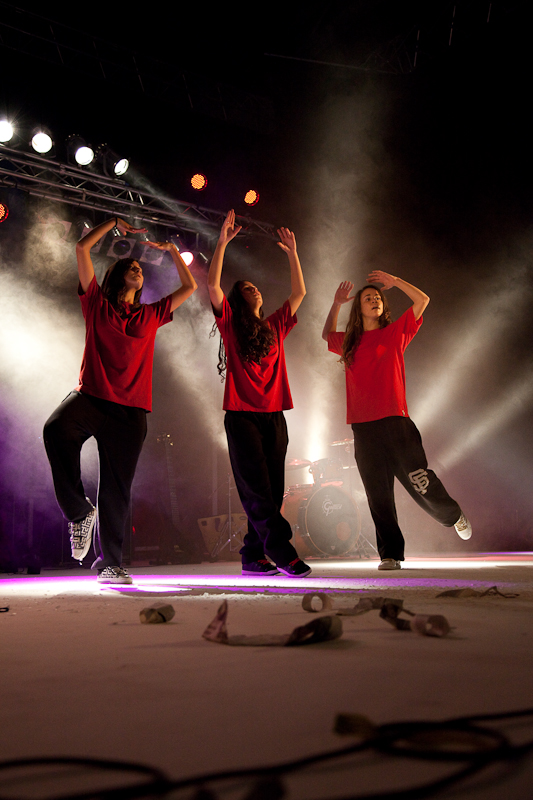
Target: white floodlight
{"x": 42, "y": 142}
{"x": 6, "y": 131}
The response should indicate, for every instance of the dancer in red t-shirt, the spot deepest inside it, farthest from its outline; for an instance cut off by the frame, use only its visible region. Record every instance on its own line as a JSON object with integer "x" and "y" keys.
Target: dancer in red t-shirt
{"x": 256, "y": 394}
{"x": 387, "y": 443}
{"x": 114, "y": 394}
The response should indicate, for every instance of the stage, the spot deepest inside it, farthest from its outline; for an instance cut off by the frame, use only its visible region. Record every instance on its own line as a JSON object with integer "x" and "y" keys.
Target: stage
{"x": 83, "y": 678}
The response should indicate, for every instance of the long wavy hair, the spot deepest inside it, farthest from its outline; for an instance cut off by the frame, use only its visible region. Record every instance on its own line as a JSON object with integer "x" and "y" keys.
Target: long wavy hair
{"x": 254, "y": 335}
{"x": 355, "y": 327}
{"x": 113, "y": 284}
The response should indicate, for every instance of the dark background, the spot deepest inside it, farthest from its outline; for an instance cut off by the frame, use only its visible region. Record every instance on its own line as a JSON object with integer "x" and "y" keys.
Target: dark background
{"x": 392, "y": 135}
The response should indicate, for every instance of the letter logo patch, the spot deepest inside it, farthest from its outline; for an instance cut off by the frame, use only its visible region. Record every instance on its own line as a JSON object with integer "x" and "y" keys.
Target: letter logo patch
{"x": 420, "y": 480}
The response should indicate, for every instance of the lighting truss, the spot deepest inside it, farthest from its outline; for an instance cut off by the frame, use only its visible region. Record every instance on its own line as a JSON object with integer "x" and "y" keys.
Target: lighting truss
{"x": 65, "y": 184}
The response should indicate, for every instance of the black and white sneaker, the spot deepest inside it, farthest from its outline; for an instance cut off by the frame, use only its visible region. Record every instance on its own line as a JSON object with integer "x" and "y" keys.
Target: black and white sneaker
{"x": 261, "y": 567}
{"x": 296, "y": 569}
{"x": 81, "y": 534}
{"x": 114, "y": 575}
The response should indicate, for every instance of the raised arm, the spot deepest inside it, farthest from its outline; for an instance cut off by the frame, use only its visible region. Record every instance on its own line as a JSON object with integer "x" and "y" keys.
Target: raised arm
{"x": 83, "y": 247}
{"x": 288, "y": 244}
{"x": 342, "y": 295}
{"x": 419, "y": 298}
{"x": 229, "y": 231}
{"x": 188, "y": 284}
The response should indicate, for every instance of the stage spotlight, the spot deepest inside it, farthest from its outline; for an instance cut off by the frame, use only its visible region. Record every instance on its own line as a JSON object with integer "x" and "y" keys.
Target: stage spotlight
{"x": 122, "y": 166}
{"x": 81, "y": 225}
{"x": 199, "y": 182}
{"x": 84, "y": 155}
{"x": 6, "y": 131}
{"x": 251, "y": 197}
{"x": 113, "y": 165}
{"x": 41, "y": 141}
{"x": 4, "y": 212}
{"x": 187, "y": 257}
{"x": 79, "y": 150}
{"x": 123, "y": 248}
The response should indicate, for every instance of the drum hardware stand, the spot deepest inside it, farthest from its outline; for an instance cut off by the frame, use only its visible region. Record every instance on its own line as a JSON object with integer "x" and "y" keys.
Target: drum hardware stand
{"x": 226, "y": 535}
{"x": 363, "y": 548}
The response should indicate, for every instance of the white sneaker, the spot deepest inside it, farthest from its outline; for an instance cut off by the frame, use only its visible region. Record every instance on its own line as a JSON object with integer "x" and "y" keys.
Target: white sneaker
{"x": 463, "y": 527}
{"x": 389, "y": 563}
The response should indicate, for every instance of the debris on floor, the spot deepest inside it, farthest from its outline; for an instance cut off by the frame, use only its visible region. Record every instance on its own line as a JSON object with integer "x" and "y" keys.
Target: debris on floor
{"x": 468, "y": 592}
{"x": 322, "y": 629}
{"x": 389, "y": 608}
{"x": 157, "y": 613}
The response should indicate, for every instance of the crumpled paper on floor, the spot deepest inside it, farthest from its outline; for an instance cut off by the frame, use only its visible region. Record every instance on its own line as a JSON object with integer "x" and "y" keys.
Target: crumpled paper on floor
{"x": 157, "y": 613}
{"x": 389, "y": 610}
{"x": 469, "y": 592}
{"x": 323, "y": 629}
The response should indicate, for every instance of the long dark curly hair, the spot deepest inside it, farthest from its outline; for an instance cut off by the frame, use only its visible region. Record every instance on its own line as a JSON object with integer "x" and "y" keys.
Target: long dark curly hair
{"x": 254, "y": 335}
{"x": 113, "y": 284}
{"x": 355, "y": 329}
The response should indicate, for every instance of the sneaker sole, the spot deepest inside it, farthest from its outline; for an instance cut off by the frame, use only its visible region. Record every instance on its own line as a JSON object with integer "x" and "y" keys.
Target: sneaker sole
{"x": 292, "y": 575}
{"x": 260, "y": 574}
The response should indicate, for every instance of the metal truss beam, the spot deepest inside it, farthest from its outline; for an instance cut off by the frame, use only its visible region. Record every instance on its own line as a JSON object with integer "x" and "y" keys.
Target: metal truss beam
{"x": 62, "y": 183}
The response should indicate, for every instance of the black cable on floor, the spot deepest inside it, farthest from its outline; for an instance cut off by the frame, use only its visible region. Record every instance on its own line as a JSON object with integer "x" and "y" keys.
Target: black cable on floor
{"x": 477, "y": 746}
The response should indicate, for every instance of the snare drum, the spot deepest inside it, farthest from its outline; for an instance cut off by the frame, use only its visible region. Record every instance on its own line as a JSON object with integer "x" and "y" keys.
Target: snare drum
{"x": 327, "y": 470}
{"x": 325, "y": 521}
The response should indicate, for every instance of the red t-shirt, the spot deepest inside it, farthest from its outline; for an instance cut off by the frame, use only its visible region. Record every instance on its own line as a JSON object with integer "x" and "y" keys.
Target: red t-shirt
{"x": 119, "y": 351}
{"x": 375, "y": 380}
{"x": 251, "y": 386}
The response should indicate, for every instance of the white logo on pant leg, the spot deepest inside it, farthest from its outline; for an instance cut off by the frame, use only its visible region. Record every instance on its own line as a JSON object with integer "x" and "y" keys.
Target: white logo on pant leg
{"x": 420, "y": 480}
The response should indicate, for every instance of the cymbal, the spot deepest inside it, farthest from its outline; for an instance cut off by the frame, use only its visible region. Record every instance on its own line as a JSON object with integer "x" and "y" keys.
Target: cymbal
{"x": 297, "y": 463}
{"x": 341, "y": 443}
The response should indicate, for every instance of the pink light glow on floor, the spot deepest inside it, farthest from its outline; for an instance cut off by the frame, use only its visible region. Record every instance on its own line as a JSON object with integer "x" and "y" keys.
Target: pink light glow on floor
{"x": 328, "y": 575}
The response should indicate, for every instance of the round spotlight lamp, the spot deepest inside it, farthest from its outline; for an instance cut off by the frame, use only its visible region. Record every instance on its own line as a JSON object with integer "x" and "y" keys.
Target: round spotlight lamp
{"x": 84, "y": 155}
{"x": 42, "y": 142}
{"x": 187, "y": 257}
{"x": 6, "y": 131}
{"x": 122, "y": 166}
{"x": 4, "y": 212}
{"x": 251, "y": 197}
{"x": 199, "y": 182}
{"x": 111, "y": 163}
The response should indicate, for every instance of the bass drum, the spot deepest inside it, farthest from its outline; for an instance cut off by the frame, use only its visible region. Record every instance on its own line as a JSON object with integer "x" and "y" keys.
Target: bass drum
{"x": 325, "y": 521}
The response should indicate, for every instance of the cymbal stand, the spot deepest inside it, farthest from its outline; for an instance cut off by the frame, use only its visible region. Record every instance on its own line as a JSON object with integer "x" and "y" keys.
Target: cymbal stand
{"x": 226, "y": 535}
{"x": 363, "y": 548}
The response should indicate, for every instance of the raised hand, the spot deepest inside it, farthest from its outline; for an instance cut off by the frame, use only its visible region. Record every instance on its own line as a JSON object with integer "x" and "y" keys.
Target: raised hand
{"x": 378, "y": 276}
{"x": 125, "y": 227}
{"x": 287, "y": 241}
{"x": 229, "y": 229}
{"x": 342, "y": 295}
{"x": 161, "y": 245}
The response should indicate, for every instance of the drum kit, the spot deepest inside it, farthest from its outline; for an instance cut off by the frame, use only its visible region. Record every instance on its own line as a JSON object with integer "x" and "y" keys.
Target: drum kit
{"x": 324, "y": 518}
